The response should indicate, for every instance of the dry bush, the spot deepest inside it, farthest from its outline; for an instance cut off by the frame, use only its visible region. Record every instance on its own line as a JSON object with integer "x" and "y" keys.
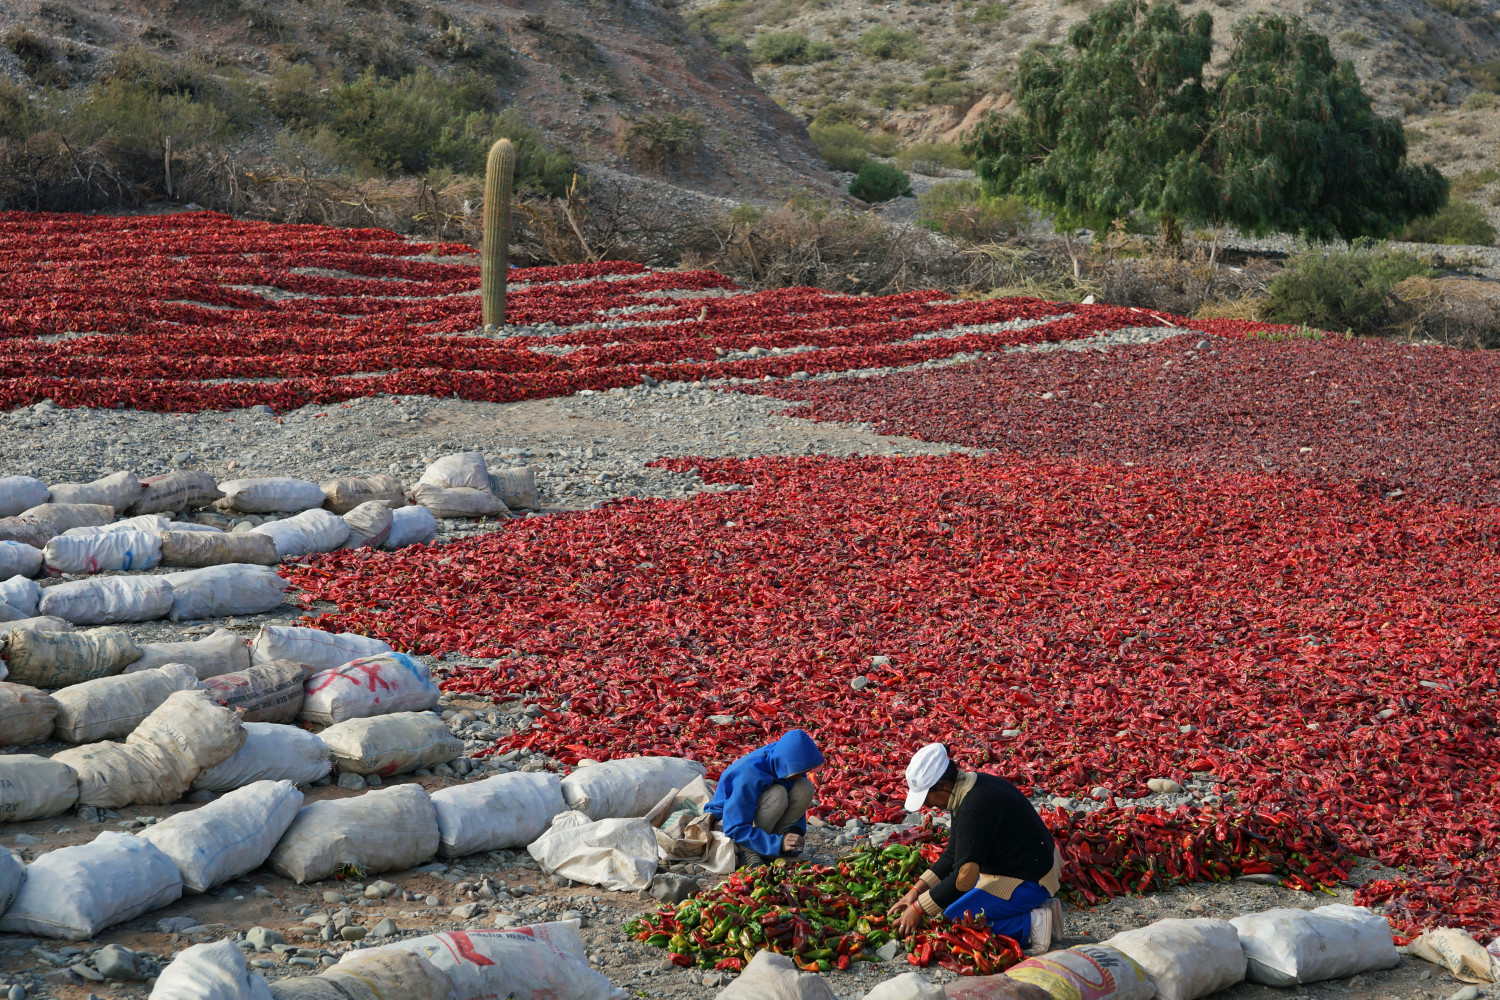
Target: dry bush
{"x": 1183, "y": 280}
{"x": 1459, "y": 312}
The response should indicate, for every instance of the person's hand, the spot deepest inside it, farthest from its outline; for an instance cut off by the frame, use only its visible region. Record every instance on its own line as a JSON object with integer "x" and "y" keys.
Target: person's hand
{"x": 910, "y": 919}
{"x": 791, "y": 843}
{"x": 910, "y": 898}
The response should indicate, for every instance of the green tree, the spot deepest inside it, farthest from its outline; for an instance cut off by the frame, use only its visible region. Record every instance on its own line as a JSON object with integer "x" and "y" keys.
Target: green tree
{"x": 1122, "y": 122}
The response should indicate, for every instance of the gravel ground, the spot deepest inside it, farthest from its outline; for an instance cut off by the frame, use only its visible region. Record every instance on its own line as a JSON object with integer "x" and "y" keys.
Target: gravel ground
{"x": 587, "y": 449}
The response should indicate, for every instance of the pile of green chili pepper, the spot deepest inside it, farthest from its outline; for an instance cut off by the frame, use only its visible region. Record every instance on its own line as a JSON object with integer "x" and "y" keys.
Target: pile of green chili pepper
{"x": 823, "y": 917}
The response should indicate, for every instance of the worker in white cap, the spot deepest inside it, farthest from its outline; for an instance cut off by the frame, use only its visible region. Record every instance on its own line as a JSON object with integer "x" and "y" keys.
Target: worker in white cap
{"x": 1001, "y": 860}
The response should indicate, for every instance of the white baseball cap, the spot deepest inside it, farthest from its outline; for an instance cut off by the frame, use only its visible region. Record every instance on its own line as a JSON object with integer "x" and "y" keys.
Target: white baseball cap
{"x": 925, "y": 770}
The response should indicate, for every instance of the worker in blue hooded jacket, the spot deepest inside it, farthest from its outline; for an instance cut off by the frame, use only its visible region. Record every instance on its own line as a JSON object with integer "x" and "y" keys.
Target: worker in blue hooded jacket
{"x": 762, "y": 799}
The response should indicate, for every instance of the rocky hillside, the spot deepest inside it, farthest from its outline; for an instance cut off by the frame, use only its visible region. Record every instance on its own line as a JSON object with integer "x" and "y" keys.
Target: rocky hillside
{"x": 604, "y": 79}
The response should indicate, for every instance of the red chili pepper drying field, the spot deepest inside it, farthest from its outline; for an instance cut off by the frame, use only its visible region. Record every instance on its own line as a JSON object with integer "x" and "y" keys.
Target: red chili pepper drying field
{"x": 1327, "y": 655}
{"x": 199, "y": 311}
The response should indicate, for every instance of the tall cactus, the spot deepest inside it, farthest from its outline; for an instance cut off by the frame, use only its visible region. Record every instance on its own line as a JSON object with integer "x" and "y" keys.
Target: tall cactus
{"x": 499, "y": 178}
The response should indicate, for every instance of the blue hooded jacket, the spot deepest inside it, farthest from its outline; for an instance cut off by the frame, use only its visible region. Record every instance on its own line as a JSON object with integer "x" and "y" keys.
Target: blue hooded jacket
{"x": 743, "y": 782}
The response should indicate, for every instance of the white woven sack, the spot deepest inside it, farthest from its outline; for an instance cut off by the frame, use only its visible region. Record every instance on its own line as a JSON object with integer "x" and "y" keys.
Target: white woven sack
{"x": 26, "y": 715}
{"x": 107, "y": 550}
{"x": 33, "y": 787}
{"x": 19, "y": 559}
{"x": 458, "y": 501}
{"x": 379, "y": 830}
{"x": 517, "y": 487}
{"x": 76, "y": 892}
{"x": 63, "y": 516}
{"x": 217, "y": 653}
{"x": 109, "y": 599}
{"x": 769, "y": 976}
{"x": 18, "y": 493}
{"x": 411, "y": 526}
{"x": 12, "y": 874}
{"x": 1186, "y": 959}
{"x": 540, "y": 961}
{"x": 343, "y": 495}
{"x": 312, "y": 647}
{"x": 508, "y": 810}
{"x": 215, "y": 971}
{"x": 465, "y": 469}
{"x": 271, "y": 752}
{"x": 269, "y": 495}
{"x": 391, "y": 744}
{"x": 21, "y": 593}
{"x": 311, "y": 531}
{"x": 141, "y": 522}
{"x": 220, "y": 591}
{"x": 111, "y": 707}
{"x": 364, "y": 975}
{"x": 369, "y": 525}
{"x": 227, "y": 837}
{"x": 370, "y": 685}
{"x": 1288, "y": 947}
{"x": 175, "y": 492}
{"x": 110, "y": 775}
{"x": 45, "y": 623}
{"x": 119, "y": 490}
{"x": 27, "y": 530}
{"x": 266, "y": 692}
{"x": 215, "y": 548}
{"x": 47, "y": 659}
{"x": 628, "y": 787}
{"x": 615, "y": 854}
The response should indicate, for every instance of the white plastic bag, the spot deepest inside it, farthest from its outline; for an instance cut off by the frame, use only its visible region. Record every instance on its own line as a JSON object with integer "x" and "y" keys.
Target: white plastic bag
{"x": 627, "y": 787}
{"x": 1289, "y": 947}
{"x": 19, "y": 559}
{"x": 76, "y": 892}
{"x": 391, "y": 744}
{"x": 617, "y": 854}
{"x": 907, "y": 986}
{"x": 119, "y": 490}
{"x": 107, "y": 550}
{"x": 369, "y": 525}
{"x": 175, "y": 492}
{"x": 314, "y": 530}
{"x": 458, "y": 501}
{"x": 508, "y": 810}
{"x": 269, "y": 494}
{"x": 227, "y": 837}
{"x": 517, "y": 487}
{"x": 540, "y": 962}
{"x": 215, "y": 971}
{"x": 343, "y": 495}
{"x": 266, "y": 692}
{"x": 312, "y": 647}
{"x": 219, "y": 591}
{"x": 770, "y": 976}
{"x": 26, "y": 715}
{"x": 1186, "y": 959}
{"x": 411, "y": 526}
{"x": 272, "y": 752}
{"x": 63, "y": 516}
{"x": 217, "y": 653}
{"x": 370, "y": 685}
{"x": 379, "y": 830}
{"x": 18, "y": 493}
{"x": 21, "y": 593}
{"x": 45, "y": 623}
{"x": 465, "y": 470}
{"x": 141, "y": 522}
{"x": 12, "y": 874}
{"x": 33, "y": 787}
{"x": 215, "y": 548}
{"x": 109, "y": 599}
{"x": 47, "y": 659}
{"x": 370, "y": 975}
{"x": 111, "y": 707}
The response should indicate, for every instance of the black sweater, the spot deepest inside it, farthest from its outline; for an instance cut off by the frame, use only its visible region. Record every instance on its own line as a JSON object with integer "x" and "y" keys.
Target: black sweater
{"x": 995, "y": 832}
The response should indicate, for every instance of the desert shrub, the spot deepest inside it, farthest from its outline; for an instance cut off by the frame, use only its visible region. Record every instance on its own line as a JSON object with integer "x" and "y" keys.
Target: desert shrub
{"x": 821, "y": 51}
{"x": 1340, "y": 291}
{"x": 989, "y": 13}
{"x": 842, "y": 113}
{"x": 877, "y": 182}
{"x": 1459, "y": 312}
{"x": 1480, "y": 100}
{"x": 37, "y": 57}
{"x": 1459, "y": 222}
{"x": 661, "y": 138}
{"x": 1471, "y": 181}
{"x": 1354, "y": 38}
{"x": 882, "y": 42}
{"x": 844, "y": 147}
{"x": 884, "y": 143}
{"x": 932, "y": 157}
{"x": 778, "y": 47}
{"x": 1458, "y": 8}
{"x": 962, "y": 210}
